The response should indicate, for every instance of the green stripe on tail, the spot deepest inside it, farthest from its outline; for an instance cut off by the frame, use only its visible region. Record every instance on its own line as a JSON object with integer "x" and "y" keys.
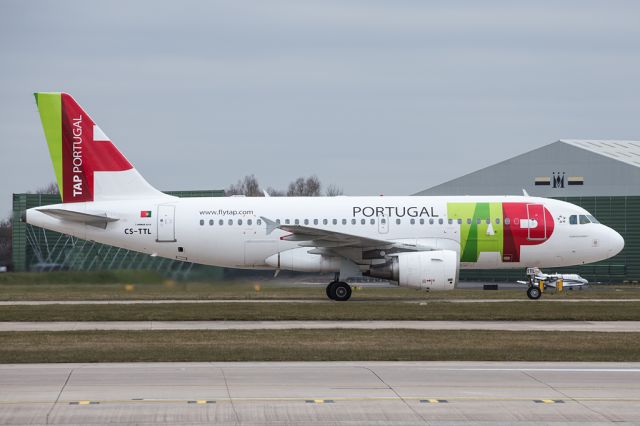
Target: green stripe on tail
{"x": 50, "y": 108}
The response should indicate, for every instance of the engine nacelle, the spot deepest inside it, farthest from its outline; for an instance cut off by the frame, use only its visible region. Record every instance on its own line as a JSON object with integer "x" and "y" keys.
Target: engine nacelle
{"x": 299, "y": 259}
{"x": 428, "y": 270}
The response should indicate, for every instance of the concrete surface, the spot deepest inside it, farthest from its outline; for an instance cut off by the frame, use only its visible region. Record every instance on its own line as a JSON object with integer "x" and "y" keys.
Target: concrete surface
{"x": 200, "y": 301}
{"x": 321, "y": 393}
{"x": 600, "y": 326}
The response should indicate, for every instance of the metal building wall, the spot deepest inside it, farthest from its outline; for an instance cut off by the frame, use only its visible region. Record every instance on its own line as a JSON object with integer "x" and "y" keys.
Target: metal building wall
{"x": 39, "y": 249}
{"x": 621, "y": 214}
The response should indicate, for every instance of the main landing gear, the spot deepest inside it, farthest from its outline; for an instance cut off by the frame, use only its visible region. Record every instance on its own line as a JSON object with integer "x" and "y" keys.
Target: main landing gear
{"x": 338, "y": 290}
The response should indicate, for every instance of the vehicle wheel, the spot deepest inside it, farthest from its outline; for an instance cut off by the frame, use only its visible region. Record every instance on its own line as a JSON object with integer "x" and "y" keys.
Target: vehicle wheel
{"x": 341, "y": 291}
{"x": 534, "y": 292}
{"x": 330, "y": 289}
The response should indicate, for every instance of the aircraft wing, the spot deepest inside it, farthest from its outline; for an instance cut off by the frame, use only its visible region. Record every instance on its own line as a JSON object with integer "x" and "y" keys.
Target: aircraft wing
{"x": 315, "y": 237}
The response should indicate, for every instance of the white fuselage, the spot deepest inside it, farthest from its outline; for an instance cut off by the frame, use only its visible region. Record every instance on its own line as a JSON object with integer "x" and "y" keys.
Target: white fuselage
{"x": 486, "y": 232}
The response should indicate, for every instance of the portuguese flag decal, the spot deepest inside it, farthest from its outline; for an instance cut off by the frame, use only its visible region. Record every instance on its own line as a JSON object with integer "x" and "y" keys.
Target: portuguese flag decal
{"x": 145, "y": 213}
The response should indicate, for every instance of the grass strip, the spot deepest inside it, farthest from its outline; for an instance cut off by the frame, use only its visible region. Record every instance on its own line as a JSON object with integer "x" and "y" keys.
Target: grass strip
{"x": 506, "y": 311}
{"x": 316, "y": 345}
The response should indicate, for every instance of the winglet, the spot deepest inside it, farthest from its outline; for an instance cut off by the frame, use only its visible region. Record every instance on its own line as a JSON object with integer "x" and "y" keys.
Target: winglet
{"x": 525, "y": 193}
{"x": 271, "y": 225}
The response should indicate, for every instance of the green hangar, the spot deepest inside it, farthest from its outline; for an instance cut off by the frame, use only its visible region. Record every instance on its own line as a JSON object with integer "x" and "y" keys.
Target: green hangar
{"x": 602, "y": 176}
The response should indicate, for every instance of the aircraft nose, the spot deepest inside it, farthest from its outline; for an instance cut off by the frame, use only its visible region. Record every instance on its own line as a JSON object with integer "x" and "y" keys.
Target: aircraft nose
{"x": 616, "y": 242}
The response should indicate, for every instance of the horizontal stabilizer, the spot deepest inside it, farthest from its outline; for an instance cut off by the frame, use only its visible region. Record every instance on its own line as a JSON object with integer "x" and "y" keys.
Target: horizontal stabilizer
{"x": 99, "y": 220}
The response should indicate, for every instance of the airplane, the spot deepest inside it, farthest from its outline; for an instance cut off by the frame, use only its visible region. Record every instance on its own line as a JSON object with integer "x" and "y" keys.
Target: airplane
{"x": 419, "y": 242}
{"x": 539, "y": 279}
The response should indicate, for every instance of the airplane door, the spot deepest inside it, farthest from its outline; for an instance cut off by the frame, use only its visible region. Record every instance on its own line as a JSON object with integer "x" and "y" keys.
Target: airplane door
{"x": 383, "y": 225}
{"x": 537, "y": 226}
{"x": 166, "y": 224}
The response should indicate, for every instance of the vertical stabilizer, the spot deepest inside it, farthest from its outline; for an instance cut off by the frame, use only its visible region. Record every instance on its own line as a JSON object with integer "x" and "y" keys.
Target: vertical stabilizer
{"x": 88, "y": 166}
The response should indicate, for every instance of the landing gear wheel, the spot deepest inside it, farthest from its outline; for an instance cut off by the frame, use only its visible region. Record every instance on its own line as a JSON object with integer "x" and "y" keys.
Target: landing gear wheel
{"x": 534, "y": 292}
{"x": 340, "y": 291}
{"x": 330, "y": 289}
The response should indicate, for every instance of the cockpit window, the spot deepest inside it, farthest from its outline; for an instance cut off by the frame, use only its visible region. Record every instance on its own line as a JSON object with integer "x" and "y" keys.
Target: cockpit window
{"x": 584, "y": 219}
{"x": 592, "y": 219}
{"x": 573, "y": 219}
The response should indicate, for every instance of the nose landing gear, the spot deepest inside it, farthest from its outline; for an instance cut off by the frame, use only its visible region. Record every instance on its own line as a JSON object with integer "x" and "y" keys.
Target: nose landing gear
{"x": 533, "y": 292}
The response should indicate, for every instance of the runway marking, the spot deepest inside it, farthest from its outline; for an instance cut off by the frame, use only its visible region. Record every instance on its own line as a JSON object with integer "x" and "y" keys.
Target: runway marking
{"x": 84, "y": 402}
{"x": 201, "y": 401}
{"x": 441, "y": 400}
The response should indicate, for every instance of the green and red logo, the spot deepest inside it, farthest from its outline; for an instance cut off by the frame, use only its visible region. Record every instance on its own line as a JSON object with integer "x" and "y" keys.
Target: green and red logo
{"x": 77, "y": 146}
{"x": 145, "y": 213}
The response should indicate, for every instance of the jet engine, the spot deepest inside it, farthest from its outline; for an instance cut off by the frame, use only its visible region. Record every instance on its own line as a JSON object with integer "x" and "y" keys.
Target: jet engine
{"x": 428, "y": 270}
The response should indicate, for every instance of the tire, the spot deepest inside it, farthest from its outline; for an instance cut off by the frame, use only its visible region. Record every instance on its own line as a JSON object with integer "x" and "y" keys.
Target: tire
{"x": 330, "y": 289}
{"x": 340, "y": 291}
{"x": 534, "y": 292}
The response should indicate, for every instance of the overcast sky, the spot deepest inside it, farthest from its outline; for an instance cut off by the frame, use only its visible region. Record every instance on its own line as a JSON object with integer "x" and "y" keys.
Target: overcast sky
{"x": 378, "y": 97}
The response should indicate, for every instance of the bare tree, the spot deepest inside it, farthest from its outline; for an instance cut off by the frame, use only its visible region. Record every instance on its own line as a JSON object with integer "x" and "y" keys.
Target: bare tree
{"x": 275, "y": 192}
{"x": 334, "y": 191}
{"x": 51, "y": 188}
{"x": 304, "y": 188}
{"x": 248, "y": 186}
{"x": 5, "y": 242}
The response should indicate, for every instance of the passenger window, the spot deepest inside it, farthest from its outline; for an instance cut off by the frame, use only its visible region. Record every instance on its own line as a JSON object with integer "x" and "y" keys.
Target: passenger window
{"x": 249, "y": 222}
{"x": 421, "y": 221}
{"x": 459, "y": 221}
{"x": 315, "y": 221}
{"x": 335, "y": 221}
{"x": 344, "y": 221}
{"x": 398, "y": 221}
{"x": 201, "y": 222}
{"x": 239, "y": 221}
{"x": 478, "y": 221}
{"x": 450, "y": 221}
{"x": 573, "y": 219}
{"x": 497, "y": 221}
{"x": 430, "y": 221}
{"x": 383, "y": 220}
{"x": 297, "y": 221}
{"x": 488, "y": 221}
{"x": 362, "y": 221}
{"x": 413, "y": 221}
{"x": 221, "y": 222}
{"x": 277, "y": 222}
{"x": 507, "y": 221}
{"x": 325, "y": 221}
{"x": 441, "y": 221}
{"x": 230, "y": 222}
{"x": 210, "y": 222}
{"x": 306, "y": 221}
{"x": 372, "y": 221}
{"x": 353, "y": 221}
{"x": 259, "y": 222}
{"x": 287, "y": 221}
{"x": 584, "y": 219}
{"x": 468, "y": 221}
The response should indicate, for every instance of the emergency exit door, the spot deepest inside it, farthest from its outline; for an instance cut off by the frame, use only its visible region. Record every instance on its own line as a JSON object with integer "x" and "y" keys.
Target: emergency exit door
{"x": 166, "y": 224}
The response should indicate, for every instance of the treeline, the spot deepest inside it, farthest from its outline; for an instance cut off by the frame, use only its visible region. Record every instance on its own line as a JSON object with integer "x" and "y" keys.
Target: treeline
{"x": 301, "y": 187}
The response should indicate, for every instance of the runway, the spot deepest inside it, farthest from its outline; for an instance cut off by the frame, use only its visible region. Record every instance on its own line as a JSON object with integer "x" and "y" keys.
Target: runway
{"x": 320, "y": 393}
{"x": 590, "y": 326}
{"x": 215, "y": 301}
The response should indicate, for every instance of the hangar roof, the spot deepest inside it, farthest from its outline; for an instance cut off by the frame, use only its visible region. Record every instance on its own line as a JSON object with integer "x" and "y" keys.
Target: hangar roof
{"x": 625, "y": 151}
{"x": 565, "y": 168}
